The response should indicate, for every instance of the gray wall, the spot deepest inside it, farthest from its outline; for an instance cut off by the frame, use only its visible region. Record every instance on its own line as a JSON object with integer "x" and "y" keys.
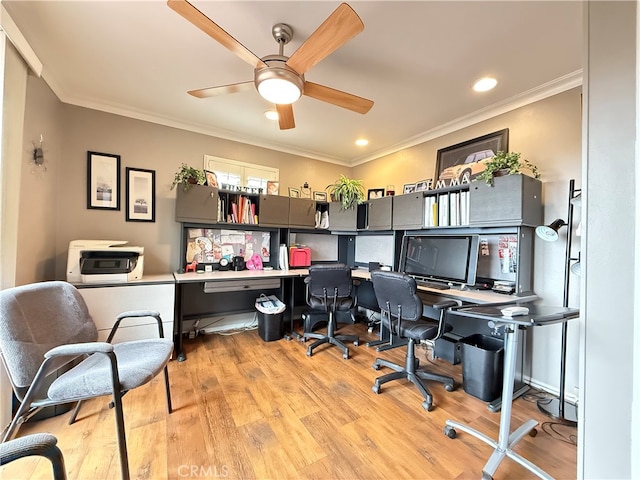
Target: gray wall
{"x": 610, "y": 246}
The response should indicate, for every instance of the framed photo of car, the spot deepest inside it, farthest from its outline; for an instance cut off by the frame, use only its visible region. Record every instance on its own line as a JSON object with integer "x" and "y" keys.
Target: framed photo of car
{"x": 462, "y": 162}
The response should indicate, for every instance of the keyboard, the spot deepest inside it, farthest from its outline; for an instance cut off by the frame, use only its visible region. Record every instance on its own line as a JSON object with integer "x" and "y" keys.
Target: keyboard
{"x": 434, "y": 285}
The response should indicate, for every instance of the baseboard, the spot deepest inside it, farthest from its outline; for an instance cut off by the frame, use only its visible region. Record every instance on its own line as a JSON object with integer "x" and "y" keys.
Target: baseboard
{"x": 551, "y": 390}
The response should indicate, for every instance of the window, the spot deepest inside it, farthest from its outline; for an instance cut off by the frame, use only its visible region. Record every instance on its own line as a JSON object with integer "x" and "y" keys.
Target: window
{"x": 233, "y": 172}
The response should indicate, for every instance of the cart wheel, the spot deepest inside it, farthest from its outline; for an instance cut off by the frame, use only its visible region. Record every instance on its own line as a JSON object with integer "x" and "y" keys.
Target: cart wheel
{"x": 450, "y": 432}
{"x": 428, "y": 406}
{"x": 449, "y": 387}
{"x": 376, "y": 389}
{"x": 533, "y": 432}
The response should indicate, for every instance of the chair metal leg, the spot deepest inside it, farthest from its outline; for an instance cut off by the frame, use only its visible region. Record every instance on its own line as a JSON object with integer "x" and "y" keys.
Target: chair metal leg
{"x": 74, "y": 414}
{"x": 122, "y": 441}
{"x": 166, "y": 387}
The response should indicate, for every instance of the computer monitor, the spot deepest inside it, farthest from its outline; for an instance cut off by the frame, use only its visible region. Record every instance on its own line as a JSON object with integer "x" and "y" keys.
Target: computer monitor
{"x": 448, "y": 259}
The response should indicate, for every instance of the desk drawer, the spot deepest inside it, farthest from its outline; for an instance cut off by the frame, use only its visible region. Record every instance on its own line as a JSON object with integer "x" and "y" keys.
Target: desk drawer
{"x": 237, "y": 285}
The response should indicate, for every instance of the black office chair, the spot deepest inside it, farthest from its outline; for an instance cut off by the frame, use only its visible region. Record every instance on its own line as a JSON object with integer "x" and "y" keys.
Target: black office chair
{"x": 401, "y": 309}
{"x": 329, "y": 290}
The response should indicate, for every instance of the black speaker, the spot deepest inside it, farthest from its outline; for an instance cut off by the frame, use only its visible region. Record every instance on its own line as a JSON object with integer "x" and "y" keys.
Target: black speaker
{"x": 374, "y": 266}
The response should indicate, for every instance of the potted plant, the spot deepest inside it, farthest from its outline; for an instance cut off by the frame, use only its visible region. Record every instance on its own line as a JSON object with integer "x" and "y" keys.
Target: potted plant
{"x": 506, "y": 163}
{"x": 348, "y": 192}
{"x": 188, "y": 176}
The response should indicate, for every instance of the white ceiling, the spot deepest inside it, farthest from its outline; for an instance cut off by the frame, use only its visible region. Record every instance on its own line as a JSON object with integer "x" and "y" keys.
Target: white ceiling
{"x": 416, "y": 60}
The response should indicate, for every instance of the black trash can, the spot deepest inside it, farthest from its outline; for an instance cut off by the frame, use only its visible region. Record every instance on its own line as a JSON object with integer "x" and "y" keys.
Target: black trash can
{"x": 482, "y": 366}
{"x": 269, "y": 310}
{"x": 270, "y": 326}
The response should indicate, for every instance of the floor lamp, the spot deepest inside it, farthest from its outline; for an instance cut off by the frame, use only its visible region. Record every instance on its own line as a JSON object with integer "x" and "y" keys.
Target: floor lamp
{"x": 558, "y": 408}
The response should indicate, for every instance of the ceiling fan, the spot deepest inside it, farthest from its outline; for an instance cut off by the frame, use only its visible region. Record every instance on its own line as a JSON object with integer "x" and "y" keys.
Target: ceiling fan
{"x": 280, "y": 79}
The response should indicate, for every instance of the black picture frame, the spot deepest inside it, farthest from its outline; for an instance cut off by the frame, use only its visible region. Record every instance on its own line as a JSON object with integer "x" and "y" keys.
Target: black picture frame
{"x": 374, "y": 193}
{"x": 140, "y": 195}
{"x": 103, "y": 181}
{"x": 457, "y": 154}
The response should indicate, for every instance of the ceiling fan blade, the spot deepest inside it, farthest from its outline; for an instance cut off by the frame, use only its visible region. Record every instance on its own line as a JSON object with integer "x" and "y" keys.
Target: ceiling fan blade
{"x": 337, "y": 97}
{"x": 222, "y": 90}
{"x": 285, "y": 117}
{"x": 339, "y": 27}
{"x": 204, "y": 23}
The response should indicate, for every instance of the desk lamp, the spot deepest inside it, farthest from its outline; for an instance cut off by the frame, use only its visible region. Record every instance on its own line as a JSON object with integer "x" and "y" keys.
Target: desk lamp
{"x": 558, "y": 408}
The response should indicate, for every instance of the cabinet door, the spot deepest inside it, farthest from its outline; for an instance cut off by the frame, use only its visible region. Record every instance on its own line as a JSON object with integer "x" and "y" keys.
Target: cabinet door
{"x": 408, "y": 211}
{"x": 302, "y": 212}
{"x": 199, "y": 204}
{"x": 511, "y": 200}
{"x": 106, "y": 303}
{"x": 380, "y": 213}
{"x": 340, "y": 219}
{"x": 274, "y": 210}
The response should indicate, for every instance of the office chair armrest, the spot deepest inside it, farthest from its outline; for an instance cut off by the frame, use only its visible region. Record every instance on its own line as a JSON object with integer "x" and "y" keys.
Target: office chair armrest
{"x": 136, "y": 314}
{"x": 444, "y": 305}
{"x": 79, "y": 349}
{"x": 34, "y": 444}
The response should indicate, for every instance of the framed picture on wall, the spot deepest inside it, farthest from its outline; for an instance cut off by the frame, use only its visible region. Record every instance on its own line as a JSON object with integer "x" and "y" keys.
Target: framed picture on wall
{"x": 409, "y": 188}
{"x": 424, "y": 185}
{"x": 103, "y": 181}
{"x": 464, "y": 161}
{"x": 373, "y": 193}
{"x": 320, "y": 196}
{"x": 141, "y": 195}
{"x": 294, "y": 192}
{"x": 273, "y": 188}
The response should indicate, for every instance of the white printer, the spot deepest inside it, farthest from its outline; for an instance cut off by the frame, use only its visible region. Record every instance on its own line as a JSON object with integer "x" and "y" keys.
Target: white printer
{"x": 104, "y": 261}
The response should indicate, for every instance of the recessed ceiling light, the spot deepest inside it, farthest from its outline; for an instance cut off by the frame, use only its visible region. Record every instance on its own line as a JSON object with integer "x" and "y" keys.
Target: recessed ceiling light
{"x": 271, "y": 115}
{"x": 485, "y": 84}
{"x": 362, "y": 142}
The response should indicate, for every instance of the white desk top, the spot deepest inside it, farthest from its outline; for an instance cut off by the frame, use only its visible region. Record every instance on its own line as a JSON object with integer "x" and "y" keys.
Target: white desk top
{"x": 145, "y": 280}
{"x": 218, "y": 275}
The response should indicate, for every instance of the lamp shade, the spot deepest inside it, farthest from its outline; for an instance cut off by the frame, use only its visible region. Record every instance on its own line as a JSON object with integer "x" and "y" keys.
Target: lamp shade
{"x": 278, "y": 83}
{"x": 549, "y": 233}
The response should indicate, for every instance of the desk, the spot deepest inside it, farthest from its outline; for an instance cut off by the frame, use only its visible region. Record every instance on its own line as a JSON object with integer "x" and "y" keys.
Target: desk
{"x": 229, "y": 281}
{"x": 538, "y": 316}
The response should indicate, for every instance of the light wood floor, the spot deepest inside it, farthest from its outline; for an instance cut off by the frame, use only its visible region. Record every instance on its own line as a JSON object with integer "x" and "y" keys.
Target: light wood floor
{"x": 248, "y": 409}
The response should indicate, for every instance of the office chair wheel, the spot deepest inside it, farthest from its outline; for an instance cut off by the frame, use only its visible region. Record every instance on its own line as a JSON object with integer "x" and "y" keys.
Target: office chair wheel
{"x": 486, "y": 476}
{"x": 309, "y": 352}
{"x": 449, "y": 387}
{"x": 376, "y": 366}
{"x": 376, "y": 388}
{"x": 428, "y": 406}
{"x": 533, "y": 432}
{"x": 356, "y": 343}
{"x": 345, "y": 355}
{"x": 450, "y": 432}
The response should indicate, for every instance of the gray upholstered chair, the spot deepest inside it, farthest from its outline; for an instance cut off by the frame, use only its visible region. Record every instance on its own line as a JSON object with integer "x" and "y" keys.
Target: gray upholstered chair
{"x": 41, "y": 444}
{"x": 401, "y": 312}
{"x": 46, "y": 328}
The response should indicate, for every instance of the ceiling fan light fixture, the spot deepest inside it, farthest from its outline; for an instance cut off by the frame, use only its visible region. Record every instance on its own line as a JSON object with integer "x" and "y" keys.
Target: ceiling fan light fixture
{"x": 277, "y": 83}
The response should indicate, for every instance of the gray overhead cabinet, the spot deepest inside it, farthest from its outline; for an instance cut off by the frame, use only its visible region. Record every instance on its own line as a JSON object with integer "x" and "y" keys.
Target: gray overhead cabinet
{"x": 380, "y": 213}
